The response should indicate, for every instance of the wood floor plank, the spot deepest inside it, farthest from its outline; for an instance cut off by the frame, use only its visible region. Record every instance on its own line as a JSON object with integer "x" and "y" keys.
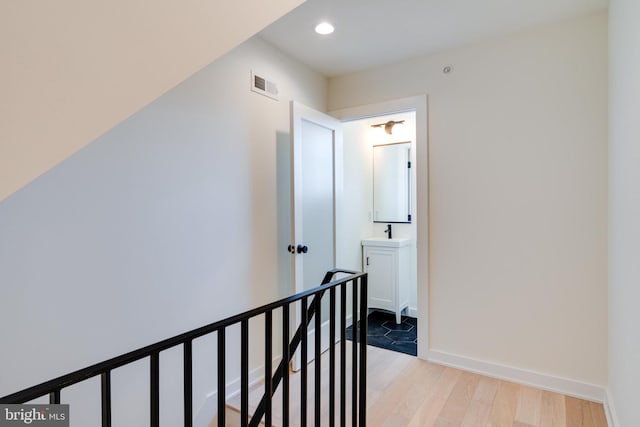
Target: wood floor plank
{"x": 427, "y": 414}
{"x": 386, "y": 368}
{"x": 442, "y": 422}
{"x": 552, "y": 410}
{"x": 587, "y": 418}
{"x": 446, "y": 382}
{"x": 598, "y": 415}
{"x": 393, "y": 420}
{"x": 460, "y": 397}
{"x": 503, "y": 411}
{"x": 477, "y": 414}
{"x": 420, "y": 389}
{"x": 394, "y": 395}
{"x": 575, "y": 415}
{"x": 486, "y": 390}
{"x": 529, "y": 405}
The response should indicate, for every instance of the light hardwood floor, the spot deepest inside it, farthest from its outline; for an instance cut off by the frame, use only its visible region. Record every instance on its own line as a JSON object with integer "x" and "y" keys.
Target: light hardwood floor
{"x": 405, "y": 391}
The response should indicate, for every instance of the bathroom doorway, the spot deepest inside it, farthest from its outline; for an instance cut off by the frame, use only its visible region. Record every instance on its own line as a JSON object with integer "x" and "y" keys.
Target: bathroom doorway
{"x": 378, "y": 139}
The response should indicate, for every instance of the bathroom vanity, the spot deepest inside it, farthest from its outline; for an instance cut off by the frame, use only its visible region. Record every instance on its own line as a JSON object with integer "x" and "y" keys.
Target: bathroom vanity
{"x": 388, "y": 264}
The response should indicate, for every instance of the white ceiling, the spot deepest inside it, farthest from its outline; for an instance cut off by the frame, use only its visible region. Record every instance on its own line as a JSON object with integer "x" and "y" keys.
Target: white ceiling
{"x": 371, "y": 33}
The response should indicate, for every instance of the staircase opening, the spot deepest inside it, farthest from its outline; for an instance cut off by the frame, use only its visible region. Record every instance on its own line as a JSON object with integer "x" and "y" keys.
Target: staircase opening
{"x": 331, "y": 390}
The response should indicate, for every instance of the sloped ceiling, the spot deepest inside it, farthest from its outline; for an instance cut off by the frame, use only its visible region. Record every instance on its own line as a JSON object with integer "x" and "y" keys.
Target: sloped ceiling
{"x": 72, "y": 69}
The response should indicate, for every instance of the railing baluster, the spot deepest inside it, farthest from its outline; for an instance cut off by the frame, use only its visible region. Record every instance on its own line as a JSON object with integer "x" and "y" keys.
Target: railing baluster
{"x": 105, "y": 391}
{"x": 244, "y": 373}
{"x": 303, "y": 365}
{"x": 363, "y": 350}
{"x": 343, "y": 354}
{"x": 222, "y": 395}
{"x": 282, "y": 366}
{"x": 54, "y": 397}
{"x": 332, "y": 357}
{"x": 285, "y": 359}
{"x": 354, "y": 356}
{"x": 317, "y": 361}
{"x": 188, "y": 383}
{"x": 155, "y": 389}
{"x": 268, "y": 369}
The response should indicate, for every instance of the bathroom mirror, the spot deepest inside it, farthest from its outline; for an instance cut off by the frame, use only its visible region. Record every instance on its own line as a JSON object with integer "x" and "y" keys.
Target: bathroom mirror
{"x": 391, "y": 182}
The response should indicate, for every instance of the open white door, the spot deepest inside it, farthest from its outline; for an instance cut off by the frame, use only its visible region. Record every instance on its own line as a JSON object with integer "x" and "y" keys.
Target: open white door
{"x": 316, "y": 158}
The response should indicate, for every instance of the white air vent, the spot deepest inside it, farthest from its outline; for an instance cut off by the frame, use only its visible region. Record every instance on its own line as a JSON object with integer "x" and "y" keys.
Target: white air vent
{"x": 263, "y": 86}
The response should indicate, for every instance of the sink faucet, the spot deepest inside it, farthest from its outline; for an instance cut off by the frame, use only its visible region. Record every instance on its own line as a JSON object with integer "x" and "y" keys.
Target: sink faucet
{"x": 388, "y": 230}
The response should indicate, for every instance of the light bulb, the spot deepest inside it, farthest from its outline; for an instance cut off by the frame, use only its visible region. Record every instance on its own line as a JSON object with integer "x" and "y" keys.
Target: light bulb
{"x": 324, "y": 28}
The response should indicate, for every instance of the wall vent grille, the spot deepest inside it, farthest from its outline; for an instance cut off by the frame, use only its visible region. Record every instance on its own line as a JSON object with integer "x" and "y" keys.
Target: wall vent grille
{"x": 263, "y": 86}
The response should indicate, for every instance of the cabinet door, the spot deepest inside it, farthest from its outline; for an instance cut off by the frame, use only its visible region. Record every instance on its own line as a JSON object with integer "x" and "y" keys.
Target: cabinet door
{"x": 380, "y": 264}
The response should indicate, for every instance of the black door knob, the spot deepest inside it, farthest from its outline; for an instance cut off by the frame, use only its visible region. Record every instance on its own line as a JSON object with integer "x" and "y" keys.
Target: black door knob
{"x": 302, "y": 249}
{"x": 291, "y": 249}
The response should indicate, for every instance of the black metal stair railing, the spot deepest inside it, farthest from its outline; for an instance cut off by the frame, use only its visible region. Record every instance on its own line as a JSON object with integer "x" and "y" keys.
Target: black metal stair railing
{"x": 310, "y": 312}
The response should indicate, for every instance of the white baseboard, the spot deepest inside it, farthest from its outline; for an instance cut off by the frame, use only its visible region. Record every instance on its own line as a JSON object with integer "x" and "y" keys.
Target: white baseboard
{"x": 207, "y": 411}
{"x": 561, "y": 385}
{"x": 610, "y": 409}
{"x": 412, "y": 312}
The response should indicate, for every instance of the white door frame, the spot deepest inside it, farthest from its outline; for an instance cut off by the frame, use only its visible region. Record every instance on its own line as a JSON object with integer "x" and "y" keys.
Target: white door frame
{"x": 420, "y": 105}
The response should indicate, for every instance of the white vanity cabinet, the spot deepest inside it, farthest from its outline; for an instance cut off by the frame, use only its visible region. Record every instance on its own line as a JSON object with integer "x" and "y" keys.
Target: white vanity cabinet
{"x": 388, "y": 264}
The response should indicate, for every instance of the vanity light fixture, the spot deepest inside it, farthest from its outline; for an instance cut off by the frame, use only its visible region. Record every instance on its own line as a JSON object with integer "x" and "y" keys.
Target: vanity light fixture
{"x": 388, "y": 126}
{"x": 324, "y": 28}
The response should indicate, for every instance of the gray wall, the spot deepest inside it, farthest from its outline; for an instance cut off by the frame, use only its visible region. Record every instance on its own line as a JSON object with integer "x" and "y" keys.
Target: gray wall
{"x": 624, "y": 211}
{"x": 517, "y": 197}
{"x": 175, "y": 218}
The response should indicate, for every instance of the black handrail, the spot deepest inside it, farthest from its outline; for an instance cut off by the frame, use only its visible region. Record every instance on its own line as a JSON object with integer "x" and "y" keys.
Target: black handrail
{"x": 103, "y": 369}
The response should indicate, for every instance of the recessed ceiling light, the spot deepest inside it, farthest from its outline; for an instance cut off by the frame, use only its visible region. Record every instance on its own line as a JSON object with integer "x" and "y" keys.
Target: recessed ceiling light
{"x": 324, "y": 28}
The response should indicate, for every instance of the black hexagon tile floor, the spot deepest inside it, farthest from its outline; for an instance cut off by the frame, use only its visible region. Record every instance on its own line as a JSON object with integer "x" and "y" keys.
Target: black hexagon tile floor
{"x": 384, "y": 332}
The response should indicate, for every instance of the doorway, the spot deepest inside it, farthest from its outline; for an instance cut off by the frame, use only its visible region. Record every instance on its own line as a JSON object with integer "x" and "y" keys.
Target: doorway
{"x": 359, "y": 220}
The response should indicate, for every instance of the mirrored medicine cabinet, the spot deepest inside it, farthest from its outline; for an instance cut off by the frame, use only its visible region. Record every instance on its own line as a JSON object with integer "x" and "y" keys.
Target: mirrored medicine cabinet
{"x": 392, "y": 182}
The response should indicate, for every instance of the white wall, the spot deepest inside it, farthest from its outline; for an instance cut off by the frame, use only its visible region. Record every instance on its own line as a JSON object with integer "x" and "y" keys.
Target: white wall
{"x": 175, "y": 218}
{"x": 624, "y": 211}
{"x": 517, "y": 195}
{"x": 359, "y": 139}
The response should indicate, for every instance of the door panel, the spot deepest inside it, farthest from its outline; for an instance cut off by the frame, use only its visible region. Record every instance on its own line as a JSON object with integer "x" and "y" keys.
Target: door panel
{"x": 316, "y": 191}
{"x": 317, "y": 203}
